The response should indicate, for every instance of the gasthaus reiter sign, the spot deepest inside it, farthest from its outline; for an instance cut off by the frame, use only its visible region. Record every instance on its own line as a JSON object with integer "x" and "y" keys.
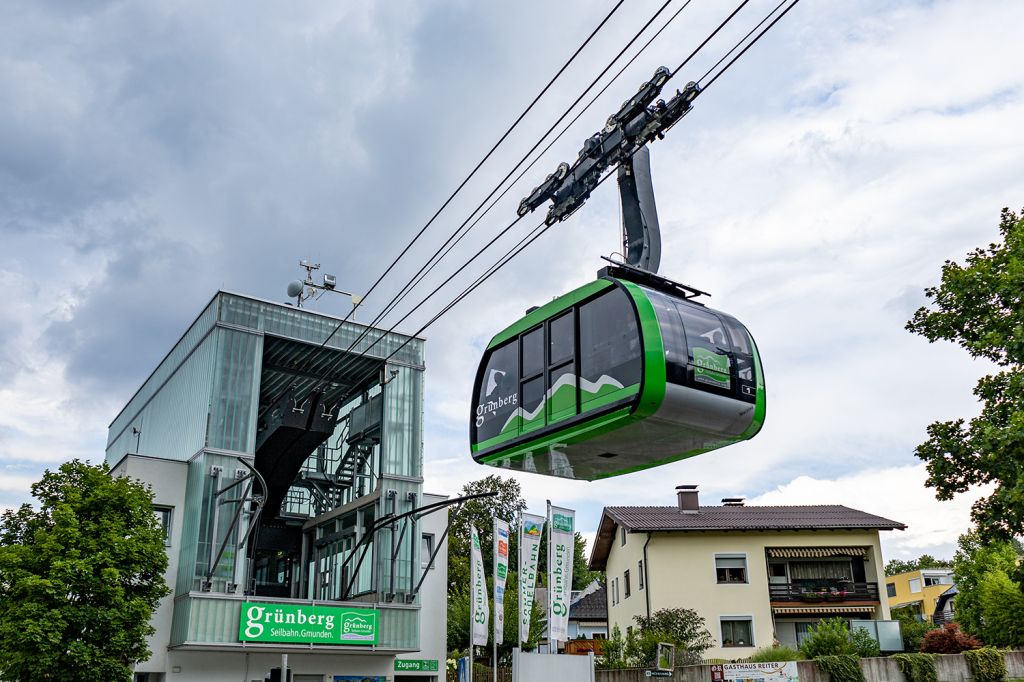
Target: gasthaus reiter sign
{"x": 306, "y": 624}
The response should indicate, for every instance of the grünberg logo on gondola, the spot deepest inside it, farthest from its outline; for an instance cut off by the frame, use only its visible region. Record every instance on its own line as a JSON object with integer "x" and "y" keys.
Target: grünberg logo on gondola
{"x": 485, "y": 410}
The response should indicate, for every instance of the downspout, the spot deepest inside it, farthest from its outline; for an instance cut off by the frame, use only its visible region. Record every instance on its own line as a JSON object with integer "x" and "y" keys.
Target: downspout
{"x": 647, "y": 577}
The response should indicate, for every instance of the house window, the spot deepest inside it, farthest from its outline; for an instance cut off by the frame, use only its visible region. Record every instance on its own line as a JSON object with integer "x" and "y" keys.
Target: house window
{"x": 640, "y": 574}
{"x": 625, "y": 582}
{"x": 426, "y": 549}
{"x": 777, "y": 570}
{"x": 737, "y": 631}
{"x": 731, "y": 568}
{"x": 622, "y": 537}
{"x": 163, "y": 517}
{"x": 890, "y": 589}
{"x": 615, "y": 591}
{"x": 915, "y": 585}
{"x": 803, "y": 631}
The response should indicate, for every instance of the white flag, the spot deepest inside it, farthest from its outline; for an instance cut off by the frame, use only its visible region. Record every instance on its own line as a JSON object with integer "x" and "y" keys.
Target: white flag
{"x": 500, "y": 574}
{"x": 478, "y": 597}
{"x": 561, "y": 549}
{"x": 529, "y": 556}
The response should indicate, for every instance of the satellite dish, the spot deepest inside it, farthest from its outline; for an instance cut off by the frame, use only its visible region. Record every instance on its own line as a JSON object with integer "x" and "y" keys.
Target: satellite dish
{"x": 295, "y": 288}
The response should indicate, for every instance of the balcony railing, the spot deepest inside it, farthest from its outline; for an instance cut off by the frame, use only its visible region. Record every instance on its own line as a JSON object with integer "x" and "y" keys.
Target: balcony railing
{"x": 823, "y": 592}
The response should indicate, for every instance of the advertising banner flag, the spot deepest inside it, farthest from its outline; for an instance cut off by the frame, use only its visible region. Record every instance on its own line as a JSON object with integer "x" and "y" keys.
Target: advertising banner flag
{"x": 561, "y": 546}
{"x": 500, "y": 575}
{"x": 529, "y": 557}
{"x": 478, "y": 582}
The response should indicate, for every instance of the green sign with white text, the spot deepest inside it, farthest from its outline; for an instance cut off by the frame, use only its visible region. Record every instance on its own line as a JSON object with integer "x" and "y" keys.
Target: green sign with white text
{"x": 416, "y": 665}
{"x": 305, "y": 624}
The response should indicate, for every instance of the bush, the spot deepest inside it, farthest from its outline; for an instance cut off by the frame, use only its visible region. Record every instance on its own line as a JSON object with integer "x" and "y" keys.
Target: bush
{"x": 917, "y": 667}
{"x": 845, "y": 668}
{"x": 773, "y": 654}
{"x": 912, "y": 628}
{"x": 949, "y": 639}
{"x": 831, "y": 637}
{"x": 987, "y": 665}
{"x": 864, "y": 643}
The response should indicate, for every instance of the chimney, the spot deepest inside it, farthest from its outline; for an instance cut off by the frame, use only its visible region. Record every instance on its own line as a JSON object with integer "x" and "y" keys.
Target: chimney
{"x": 687, "y": 495}
{"x": 733, "y": 501}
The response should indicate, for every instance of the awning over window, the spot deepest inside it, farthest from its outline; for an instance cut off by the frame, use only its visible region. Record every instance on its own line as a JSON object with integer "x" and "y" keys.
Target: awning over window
{"x": 783, "y": 610}
{"x": 908, "y": 603}
{"x": 815, "y": 552}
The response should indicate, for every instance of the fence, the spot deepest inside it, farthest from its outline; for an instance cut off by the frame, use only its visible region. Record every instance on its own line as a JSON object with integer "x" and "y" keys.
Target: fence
{"x": 948, "y": 667}
{"x": 482, "y": 673}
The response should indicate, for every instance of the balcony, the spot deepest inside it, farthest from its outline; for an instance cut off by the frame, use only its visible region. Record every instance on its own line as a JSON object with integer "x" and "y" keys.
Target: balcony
{"x": 823, "y": 592}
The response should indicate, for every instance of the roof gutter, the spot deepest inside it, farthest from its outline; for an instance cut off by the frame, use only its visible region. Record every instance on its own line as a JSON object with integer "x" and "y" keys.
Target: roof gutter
{"x": 647, "y": 577}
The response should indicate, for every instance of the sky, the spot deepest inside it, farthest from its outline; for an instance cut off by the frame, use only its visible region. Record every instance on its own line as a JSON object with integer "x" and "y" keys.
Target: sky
{"x": 153, "y": 153}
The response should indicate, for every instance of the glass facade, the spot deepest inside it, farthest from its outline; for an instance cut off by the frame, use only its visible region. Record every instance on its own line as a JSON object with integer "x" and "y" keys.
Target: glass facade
{"x": 214, "y": 402}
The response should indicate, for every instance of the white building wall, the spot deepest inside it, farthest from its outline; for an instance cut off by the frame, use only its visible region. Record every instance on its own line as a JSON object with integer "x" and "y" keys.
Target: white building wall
{"x": 167, "y": 479}
{"x": 433, "y": 597}
{"x": 681, "y": 573}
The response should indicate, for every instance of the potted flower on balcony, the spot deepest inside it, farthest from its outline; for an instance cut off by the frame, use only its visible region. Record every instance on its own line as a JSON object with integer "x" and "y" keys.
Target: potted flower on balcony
{"x": 813, "y": 596}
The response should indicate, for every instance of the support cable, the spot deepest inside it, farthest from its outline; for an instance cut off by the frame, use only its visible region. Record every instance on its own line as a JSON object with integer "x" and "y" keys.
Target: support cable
{"x": 458, "y": 189}
{"x": 544, "y": 151}
{"x": 568, "y": 110}
{"x": 542, "y": 228}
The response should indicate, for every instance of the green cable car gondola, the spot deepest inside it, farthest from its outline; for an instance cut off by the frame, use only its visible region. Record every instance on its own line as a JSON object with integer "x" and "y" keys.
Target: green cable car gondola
{"x": 628, "y": 372}
{"x": 622, "y": 374}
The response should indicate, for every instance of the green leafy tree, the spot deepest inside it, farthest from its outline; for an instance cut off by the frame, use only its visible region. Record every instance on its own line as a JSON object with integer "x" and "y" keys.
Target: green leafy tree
{"x": 897, "y": 566}
{"x": 684, "y": 628}
{"x": 613, "y": 656}
{"x": 973, "y": 559}
{"x": 80, "y": 577}
{"x": 912, "y": 628}
{"x": 980, "y": 306}
{"x": 1002, "y": 608}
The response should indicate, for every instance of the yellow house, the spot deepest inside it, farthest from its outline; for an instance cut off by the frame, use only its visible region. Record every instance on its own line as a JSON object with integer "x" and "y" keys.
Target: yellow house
{"x": 919, "y": 589}
{"x": 755, "y": 574}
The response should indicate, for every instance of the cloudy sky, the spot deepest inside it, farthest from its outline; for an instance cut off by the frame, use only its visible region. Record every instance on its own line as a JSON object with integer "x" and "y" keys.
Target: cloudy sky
{"x": 151, "y": 153}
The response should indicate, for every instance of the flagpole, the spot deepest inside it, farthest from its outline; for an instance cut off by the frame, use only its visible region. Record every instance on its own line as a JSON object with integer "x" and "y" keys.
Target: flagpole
{"x": 552, "y": 648}
{"x": 494, "y": 568}
{"x": 472, "y": 601}
{"x": 519, "y": 604}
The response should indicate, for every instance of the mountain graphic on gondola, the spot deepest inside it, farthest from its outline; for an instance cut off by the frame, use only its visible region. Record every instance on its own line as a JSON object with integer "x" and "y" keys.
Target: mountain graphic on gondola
{"x": 562, "y": 395}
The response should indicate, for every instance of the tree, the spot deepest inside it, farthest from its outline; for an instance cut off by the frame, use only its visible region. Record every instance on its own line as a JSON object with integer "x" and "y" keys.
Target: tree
{"x": 980, "y": 306}
{"x": 79, "y": 578}
{"x": 912, "y": 628}
{"x": 897, "y": 566}
{"x": 1002, "y": 607}
{"x": 684, "y": 628}
{"x": 973, "y": 559}
{"x": 508, "y": 505}
{"x": 949, "y": 639}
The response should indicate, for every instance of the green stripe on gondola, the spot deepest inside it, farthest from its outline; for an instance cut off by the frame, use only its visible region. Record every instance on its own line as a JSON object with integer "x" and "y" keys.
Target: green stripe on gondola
{"x": 759, "y": 406}
{"x": 599, "y": 400}
{"x": 585, "y": 430}
{"x": 549, "y": 310}
{"x": 654, "y": 353}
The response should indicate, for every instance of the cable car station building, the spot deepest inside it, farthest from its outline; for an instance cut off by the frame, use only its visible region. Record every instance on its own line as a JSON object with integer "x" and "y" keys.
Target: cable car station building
{"x": 284, "y": 467}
